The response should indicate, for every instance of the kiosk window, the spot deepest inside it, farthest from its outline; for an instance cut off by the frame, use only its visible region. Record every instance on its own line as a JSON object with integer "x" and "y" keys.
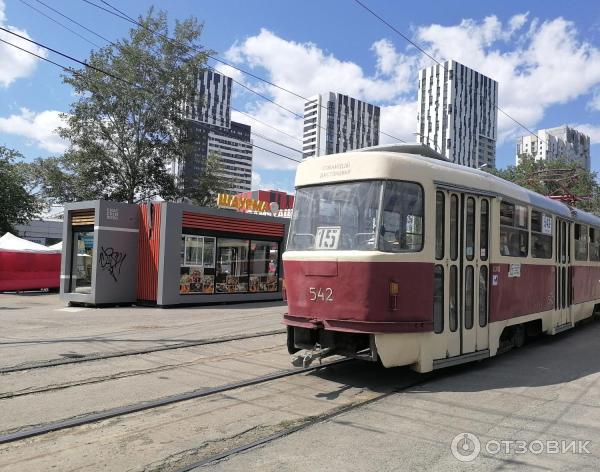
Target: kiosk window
{"x": 264, "y": 257}
{"x": 197, "y": 272}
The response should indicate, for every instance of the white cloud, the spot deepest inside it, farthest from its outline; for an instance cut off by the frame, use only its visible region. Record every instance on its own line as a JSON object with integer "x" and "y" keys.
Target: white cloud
{"x": 594, "y": 103}
{"x": 307, "y": 70}
{"x": 39, "y": 128}
{"x": 256, "y": 180}
{"x": 543, "y": 65}
{"x": 15, "y": 64}
{"x": 593, "y": 131}
{"x": 538, "y": 64}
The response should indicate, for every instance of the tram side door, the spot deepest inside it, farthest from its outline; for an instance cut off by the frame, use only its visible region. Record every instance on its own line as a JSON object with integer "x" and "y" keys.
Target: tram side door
{"x": 475, "y": 273}
{"x": 464, "y": 274}
{"x": 562, "y": 274}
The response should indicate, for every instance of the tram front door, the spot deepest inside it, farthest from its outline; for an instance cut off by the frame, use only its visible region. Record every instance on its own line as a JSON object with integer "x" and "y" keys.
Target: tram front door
{"x": 461, "y": 275}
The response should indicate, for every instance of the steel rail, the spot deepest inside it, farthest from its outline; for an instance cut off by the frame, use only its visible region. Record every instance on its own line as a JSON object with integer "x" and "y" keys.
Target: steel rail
{"x": 134, "y": 408}
{"x": 111, "y": 355}
{"x": 320, "y": 419}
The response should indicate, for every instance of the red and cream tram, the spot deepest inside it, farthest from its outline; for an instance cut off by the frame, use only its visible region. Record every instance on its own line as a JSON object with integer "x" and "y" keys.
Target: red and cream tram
{"x": 398, "y": 255}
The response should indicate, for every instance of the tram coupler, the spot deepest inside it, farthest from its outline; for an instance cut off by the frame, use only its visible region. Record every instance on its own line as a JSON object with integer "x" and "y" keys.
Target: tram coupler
{"x": 306, "y": 359}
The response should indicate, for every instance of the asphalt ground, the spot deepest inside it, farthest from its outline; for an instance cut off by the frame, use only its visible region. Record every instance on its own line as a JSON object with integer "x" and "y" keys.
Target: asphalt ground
{"x": 544, "y": 395}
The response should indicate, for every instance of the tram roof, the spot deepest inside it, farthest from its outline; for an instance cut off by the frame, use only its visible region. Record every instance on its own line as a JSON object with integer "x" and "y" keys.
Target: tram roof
{"x": 420, "y": 163}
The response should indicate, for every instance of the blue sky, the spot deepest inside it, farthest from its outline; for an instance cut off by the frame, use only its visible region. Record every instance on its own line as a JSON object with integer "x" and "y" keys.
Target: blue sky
{"x": 545, "y": 55}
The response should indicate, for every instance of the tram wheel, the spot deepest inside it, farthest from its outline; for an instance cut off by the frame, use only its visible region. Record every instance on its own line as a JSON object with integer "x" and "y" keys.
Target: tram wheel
{"x": 518, "y": 336}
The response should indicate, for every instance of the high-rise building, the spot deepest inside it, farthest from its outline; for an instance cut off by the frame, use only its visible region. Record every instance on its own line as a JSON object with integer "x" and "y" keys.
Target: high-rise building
{"x": 552, "y": 143}
{"x": 208, "y": 123}
{"x": 336, "y": 123}
{"x": 458, "y": 113}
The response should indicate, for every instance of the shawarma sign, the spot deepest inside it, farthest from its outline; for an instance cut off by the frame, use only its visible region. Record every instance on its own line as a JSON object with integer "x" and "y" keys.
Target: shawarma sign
{"x": 241, "y": 203}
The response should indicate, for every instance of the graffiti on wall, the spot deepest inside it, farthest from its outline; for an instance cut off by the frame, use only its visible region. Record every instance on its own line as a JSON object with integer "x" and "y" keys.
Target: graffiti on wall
{"x": 111, "y": 261}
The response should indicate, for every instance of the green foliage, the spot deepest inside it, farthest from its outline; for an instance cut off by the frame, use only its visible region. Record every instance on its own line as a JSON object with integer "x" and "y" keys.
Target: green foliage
{"x": 204, "y": 190}
{"x": 555, "y": 177}
{"x": 124, "y": 137}
{"x": 17, "y": 204}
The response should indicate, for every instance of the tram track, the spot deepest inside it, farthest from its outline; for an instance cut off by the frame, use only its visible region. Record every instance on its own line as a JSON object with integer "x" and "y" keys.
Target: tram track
{"x": 131, "y": 373}
{"x": 308, "y": 422}
{"x": 89, "y": 418}
{"x": 136, "y": 352}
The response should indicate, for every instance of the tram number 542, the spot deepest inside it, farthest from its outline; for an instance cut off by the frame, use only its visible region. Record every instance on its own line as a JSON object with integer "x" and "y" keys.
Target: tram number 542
{"x": 320, "y": 294}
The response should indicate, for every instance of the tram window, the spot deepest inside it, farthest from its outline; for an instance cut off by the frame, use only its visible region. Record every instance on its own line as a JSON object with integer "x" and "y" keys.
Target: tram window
{"x": 469, "y": 294}
{"x": 483, "y": 295}
{"x": 564, "y": 287}
{"x": 483, "y": 231}
{"x": 439, "y": 225}
{"x": 470, "y": 229}
{"x": 581, "y": 244}
{"x": 401, "y": 218}
{"x": 339, "y": 216}
{"x": 514, "y": 237}
{"x": 541, "y": 235}
{"x": 438, "y": 299}
{"x": 594, "y": 244}
{"x": 564, "y": 242}
{"x": 453, "y": 227}
{"x": 453, "y": 299}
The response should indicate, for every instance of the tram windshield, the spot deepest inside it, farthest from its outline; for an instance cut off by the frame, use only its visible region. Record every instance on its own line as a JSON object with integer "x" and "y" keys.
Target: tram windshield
{"x": 368, "y": 215}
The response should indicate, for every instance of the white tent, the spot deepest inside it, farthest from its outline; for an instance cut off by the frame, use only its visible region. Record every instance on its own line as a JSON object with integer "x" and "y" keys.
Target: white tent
{"x": 56, "y": 247}
{"x": 10, "y": 242}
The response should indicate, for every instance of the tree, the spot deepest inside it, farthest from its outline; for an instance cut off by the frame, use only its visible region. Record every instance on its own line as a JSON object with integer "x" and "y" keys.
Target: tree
{"x": 126, "y": 129}
{"x": 555, "y": 177}
{"x": 17, "y": 204}
{"x": 204, "y": 190}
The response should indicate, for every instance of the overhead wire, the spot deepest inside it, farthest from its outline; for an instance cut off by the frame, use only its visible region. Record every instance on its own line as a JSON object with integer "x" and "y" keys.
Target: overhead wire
{"x": 417, "y": 46}
{"x": 120, "y": 14}
{"x": 89, "y": 30}
{"x": 85, "y": 64}
{"x": 60, "y": 24}
{"x": 115, "y": 45}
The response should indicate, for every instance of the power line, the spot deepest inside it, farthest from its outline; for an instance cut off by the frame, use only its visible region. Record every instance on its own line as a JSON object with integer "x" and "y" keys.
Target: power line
{"x": 435, "y": 60}
{"x": 120, "y": 14}
{"x": 266, "y": 124}
{"x": 115, "y": 45}
{"x": 124, "y": 16}
{"x": 276, "y": 142}
{"x": 74, "y": 21}
{"x": 112, "y": 43}
{"x": 60, "y": 24}
{"x": 83, "y": 63}
{"x": 276, "y": 153}
{"x": 68, "y": 69}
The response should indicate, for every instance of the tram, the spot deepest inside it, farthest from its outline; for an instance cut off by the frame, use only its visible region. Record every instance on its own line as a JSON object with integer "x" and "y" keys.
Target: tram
{"x": 396, "y": 255}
